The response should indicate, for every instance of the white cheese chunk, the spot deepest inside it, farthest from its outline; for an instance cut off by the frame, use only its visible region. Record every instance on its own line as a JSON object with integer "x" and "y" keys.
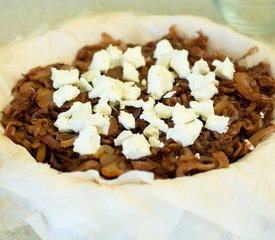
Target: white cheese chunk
{"x": 113, "y": 90}
{"x": 185, "y": 133}
{"x": 107, "y": 88}
{"x": 198, "y": 81}
{"x": 129, "y": 72}
{"x": 181, "y": 114}
{"x": 135, "y": 147}
{"x": 225, "y": 69}
{"x": 91, "y": 75}
{"x": 262, "y": 115}
{"x": 143, "y": 82}
{"x": 122, "y": 136}
{"x": 160, "y": 81}
{"x": 207, "y": 92}
{"x": 62, "y": 121}
{"x": 130, "y": 92}
{"x": 115, "y": 56}
{"x": 149, "y": 104}
{"x": 200, "y": 67}
{"x": 179, "y": 62}
{"x": 155, "y": 142}
{"x": 80, "y": 113}
{"x": 169, "y": 94}
{"x": 84, "y": 85}
{"x": 163, "y": 111}
{"x": 151, "y": 131}
{"x": 165, "y": 59}
{"x": 249, "y": 144}
{"x": 102, "y": 123}
{"x": 102, "y": 107}
{"x": 134, "y": 56}
{"x": 203, "y": 108}
{"x": 217, "y": 123}
{"x": 197, "y": 155}
{"x": 127, "y": 120}
{"x": 75, "y": 118}
{"x": 64, "y": 77}
{"x": 150, "y": 117}
{"x": 132, "y": 103}
{"x": 162, "y": 47}
{"x": 64, "y": 94}
{"x": 101, "y": 61}
{"x": 88, "y": 141}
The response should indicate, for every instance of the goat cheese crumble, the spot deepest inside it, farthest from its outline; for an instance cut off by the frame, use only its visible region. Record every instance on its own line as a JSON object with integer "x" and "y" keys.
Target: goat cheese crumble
{"x": 101, "y": 61}
{"x": 64, "y": 94}
{"x": 130, "y": 73}
{"x": 127, "y": 120}
{"x": 151, "y": 131}
{"x": 88, "y": 141}
{"x": 179, "y": 62}
{"x": 224, "y": 69}
{"x": 160, "y": 81}
{"x": 101, "y": 123}
{"x": 80, "y": 113}
{"x": 163, "y": 111}
{"x": 249, "y": 145}
{"x": 185, "y": 133}
{"x": 75, "y": 118}
{"x": 204, "y": 108}
{"x": 64, "y": 77}
{"x": 181, "y": 114}
{"x": 155, "y": 142}
{"x": 102, "y": 107}
{"x": 115, "y": 55}
{"x": 217, "y": 123}
{"x": 200, "y": 67}
{"x": 151, "y": 117}
{"x": 163, "y": 47}
{"x": 134, "y": 56}
{"x": 136, "y": 146}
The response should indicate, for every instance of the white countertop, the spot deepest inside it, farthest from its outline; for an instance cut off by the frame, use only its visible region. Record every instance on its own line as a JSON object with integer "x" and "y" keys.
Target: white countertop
{"x": 22, "y": 18}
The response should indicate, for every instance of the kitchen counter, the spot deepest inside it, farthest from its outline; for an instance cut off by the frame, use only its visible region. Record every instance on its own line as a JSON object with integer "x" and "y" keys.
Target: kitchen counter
{"x": 23, "y": 18}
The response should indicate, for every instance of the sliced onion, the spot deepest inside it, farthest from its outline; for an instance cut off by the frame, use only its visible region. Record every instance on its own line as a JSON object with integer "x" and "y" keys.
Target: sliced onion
{"x": 41, "y": 153}
{"x": 251, "y": 51}
{"x": 222, "y": 158}
{"x": 44, "y": 97}
{"x": 114, "y": 168}
{"x": 147, "y": 165}
{"x": 67, "y": 143}
{"x": 50, "y": 141}
{"x": 243, "y": 86}
{"x": 257, "y": 137}
{"x": 184, "y": 168}
{"x": 91, "y": 164}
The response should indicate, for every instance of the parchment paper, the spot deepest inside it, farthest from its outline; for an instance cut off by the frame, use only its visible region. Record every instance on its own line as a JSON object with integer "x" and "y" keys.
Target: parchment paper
{"x": 233, "y": 203}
